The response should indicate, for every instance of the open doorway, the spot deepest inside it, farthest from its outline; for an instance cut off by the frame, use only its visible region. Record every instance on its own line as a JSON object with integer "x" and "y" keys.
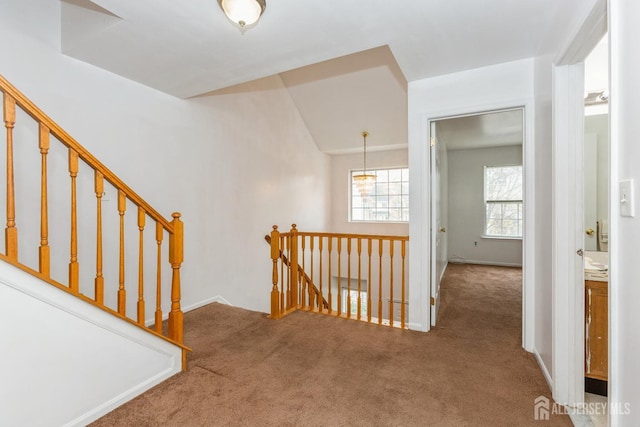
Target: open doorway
{"x": 477, "y": 203}
{"x": 568, "y": 220}
{"x": 596, "y": 221}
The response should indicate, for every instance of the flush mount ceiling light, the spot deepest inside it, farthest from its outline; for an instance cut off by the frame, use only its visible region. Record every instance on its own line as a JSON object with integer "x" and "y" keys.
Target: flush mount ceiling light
{"x": 364, "y": 181}
{"x": 243, "y": 13}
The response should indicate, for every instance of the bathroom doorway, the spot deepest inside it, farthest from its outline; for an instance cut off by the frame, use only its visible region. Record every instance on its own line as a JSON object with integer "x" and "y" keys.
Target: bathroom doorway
{"x": 596, "y": 221}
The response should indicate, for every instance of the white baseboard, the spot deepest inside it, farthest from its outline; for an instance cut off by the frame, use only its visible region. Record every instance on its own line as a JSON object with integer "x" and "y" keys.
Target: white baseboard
{"x": 217, "y": 298}
{"x": 543, "y": 368}
{"x": 499, "y": 264}
{"x": 419, "y": 327}
{"x": 446, "y": 264}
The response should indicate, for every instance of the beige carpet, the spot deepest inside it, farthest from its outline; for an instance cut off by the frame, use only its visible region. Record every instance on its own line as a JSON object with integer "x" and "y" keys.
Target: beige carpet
{"x": 313, "y": 370}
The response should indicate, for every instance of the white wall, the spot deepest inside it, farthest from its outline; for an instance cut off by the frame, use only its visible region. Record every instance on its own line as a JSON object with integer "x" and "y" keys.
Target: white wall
{"x": 542, "y": 312}
{"x": 488, "y": 88}
{"x": 233, "y": 163}
{"x": 65, "y": 362}
{"x": 341, "y": 167}
{"x": 467, "y": 208}
{"x": 624, "y": 292}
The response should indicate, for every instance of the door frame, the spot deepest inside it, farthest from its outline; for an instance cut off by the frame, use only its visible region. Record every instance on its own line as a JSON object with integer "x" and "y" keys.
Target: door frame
{"x": 528, "y": 235}
{"x": 567, "y": 233}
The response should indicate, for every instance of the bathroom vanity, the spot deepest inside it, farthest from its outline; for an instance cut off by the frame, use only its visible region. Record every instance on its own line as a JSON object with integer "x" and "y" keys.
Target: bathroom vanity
{"x": 596, "y": 312}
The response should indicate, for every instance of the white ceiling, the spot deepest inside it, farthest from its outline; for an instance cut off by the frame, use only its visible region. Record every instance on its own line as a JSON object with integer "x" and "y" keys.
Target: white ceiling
{"x": 596, "y": 67}
{"x": 346, "y": 64}
{"x": 494, "y": 129}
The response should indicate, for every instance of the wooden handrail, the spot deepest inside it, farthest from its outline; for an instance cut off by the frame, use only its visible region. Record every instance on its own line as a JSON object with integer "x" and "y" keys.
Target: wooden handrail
{"x": 39, "y": 116}
{"x": 13, "y": 98}
{"x": 352, "y": 236}
{"x": 304, "y": 275}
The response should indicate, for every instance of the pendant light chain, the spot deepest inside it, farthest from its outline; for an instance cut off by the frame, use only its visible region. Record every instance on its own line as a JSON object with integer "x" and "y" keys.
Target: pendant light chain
{"x": 364, "y": 136}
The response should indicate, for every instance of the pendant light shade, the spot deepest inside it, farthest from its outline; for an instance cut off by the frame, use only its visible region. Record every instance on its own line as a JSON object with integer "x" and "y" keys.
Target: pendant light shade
{"x": 243, "y": 12}
{"x": 364, "y": 181}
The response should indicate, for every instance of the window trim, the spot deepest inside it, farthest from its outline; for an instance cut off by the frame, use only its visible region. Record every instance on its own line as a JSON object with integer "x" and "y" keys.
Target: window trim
{"x": 350, "y": 195}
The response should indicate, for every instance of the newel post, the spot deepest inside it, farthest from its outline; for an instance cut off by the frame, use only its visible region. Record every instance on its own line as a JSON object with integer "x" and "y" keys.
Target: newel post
{"x": 293, "y": 268}
{"x": 275, "y": 256}
{"x": 176, "y": 256}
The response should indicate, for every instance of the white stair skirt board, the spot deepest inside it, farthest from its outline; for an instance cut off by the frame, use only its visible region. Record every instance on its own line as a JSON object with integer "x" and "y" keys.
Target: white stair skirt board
{"x": 72, "y": 361}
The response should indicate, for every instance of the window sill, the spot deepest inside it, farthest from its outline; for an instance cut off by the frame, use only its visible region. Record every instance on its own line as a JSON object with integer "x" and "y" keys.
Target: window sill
{"x": 501, "y": 238}
{"x": 378, "y": 222}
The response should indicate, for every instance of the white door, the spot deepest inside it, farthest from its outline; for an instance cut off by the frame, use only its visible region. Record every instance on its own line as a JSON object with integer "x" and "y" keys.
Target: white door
{"x": 436, "y": 223}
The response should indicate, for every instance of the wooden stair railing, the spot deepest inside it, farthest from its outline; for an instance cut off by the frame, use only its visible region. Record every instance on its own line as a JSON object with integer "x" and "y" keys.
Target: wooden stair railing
{"x": 307, "y": 283}
{"x": 13, "y": 99}
{"x": 373, "y": 289}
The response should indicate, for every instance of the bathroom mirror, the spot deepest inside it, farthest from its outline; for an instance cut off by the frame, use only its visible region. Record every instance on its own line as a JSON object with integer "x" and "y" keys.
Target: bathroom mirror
{"x": 596, "y": 185}
{"x": 596, "y": 149}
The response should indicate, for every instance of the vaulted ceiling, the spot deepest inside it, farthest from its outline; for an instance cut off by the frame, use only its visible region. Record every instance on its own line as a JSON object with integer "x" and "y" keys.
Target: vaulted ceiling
{"x": 346, "y": 64}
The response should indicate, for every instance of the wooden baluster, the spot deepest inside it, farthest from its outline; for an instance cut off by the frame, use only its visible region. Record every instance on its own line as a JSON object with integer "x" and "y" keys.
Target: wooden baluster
{"x": 141, "y": 221}
{"x": 329, "y": 244}
{"x": 312, "y": 294}
{"x": 122, "y": 293}
{"x": 158, "y": 318}
{"x": 11, "y": 232}
{"x": 402, "y": 309}
{"x": 282, "y": 285}
{"x": 369, "y": 246}
{"x": 320, "y": 294}
{"x": 275, "y": 257}
{"x": 288, "y": 267}
{"x": 391, "y": 282}
{"x": 73, "y": 264}
{"x": 304, "y": 292}
{"x": 293, "y": 260}
{"x": 44, "y": 259}
{"x": 176, "y": 257}
{"x": 380, "y": 282}
{"x": 339, "y": 276}
{"x": 99, "y": 280}
{"x": 359, "y": 277}
{"x": 349, "y": 277}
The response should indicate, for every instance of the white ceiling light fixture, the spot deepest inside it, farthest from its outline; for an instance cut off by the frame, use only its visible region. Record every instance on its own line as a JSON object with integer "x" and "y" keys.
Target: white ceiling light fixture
{"x": 243, "y": 13}
{"x": 364, "y": 181}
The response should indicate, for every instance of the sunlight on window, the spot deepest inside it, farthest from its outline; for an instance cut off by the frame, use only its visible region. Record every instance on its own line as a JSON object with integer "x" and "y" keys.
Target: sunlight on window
{"x": 352, "y": 297}
{"x": 503, "y": 201}
{"x": 389, "y": 200}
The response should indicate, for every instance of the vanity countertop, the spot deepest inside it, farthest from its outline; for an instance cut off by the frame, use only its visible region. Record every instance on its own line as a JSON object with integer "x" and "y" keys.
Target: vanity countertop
{"x": 596, "y": 266}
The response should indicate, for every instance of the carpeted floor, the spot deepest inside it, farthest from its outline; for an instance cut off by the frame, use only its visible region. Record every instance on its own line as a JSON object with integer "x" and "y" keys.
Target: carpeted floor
{"x": 313, "y": 370}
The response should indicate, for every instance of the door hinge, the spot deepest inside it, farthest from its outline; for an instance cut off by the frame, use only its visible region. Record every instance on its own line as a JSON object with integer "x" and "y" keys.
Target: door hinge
{"x": 433, "y": 301}
{"x": 433, "y": 141}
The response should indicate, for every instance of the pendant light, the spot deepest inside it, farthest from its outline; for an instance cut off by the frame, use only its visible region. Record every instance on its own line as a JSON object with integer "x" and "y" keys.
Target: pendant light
{"x": 364, "y": 182}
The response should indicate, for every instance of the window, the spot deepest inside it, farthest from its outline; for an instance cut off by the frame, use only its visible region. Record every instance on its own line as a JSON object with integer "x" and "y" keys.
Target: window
{"x": 352, "y": 296}
{"x": 389, "y": 198}
{"x": 503, "y": 201}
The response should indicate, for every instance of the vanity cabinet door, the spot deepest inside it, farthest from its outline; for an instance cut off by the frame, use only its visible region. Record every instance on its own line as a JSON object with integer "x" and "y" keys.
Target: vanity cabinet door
{"x": 596, "y": 329}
